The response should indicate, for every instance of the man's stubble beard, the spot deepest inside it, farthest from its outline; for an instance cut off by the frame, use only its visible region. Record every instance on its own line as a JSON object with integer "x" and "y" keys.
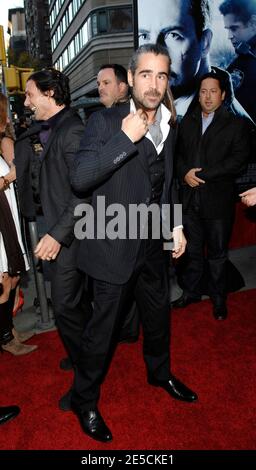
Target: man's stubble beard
{"x": 140, "y": 105}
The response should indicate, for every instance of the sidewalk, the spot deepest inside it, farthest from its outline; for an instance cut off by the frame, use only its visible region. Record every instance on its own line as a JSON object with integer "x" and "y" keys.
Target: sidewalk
{"x": 30, "y": 318}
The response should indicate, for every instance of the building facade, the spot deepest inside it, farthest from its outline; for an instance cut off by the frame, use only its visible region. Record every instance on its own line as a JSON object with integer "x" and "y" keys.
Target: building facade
{"x": 38, "y": 31}
{"x": 84, "y": 35}
{"x": 16, "y": 29}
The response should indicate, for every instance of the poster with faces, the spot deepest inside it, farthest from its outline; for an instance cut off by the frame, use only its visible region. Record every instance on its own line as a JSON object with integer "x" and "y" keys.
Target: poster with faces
{"x": 173, "y": 22}
{"x": 198, "y": 35}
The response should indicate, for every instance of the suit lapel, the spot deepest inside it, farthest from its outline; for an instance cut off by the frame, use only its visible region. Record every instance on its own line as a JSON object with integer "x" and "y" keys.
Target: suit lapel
{"x": 52, "y": 134}
{"x": 124, "y": 110}
{"x": 142, "y": 154}
{"x": 220, "y": 120}
{"x": 34, "y": 129}
{"x": 168, "y": 152}
{"x": 47, "y": 146}
{"x": 168, "y": 158}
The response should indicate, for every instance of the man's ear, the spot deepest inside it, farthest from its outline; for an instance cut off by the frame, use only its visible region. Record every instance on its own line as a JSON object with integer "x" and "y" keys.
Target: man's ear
{"x": 123, "y": 88}
{"x": 130, "y": 78}
{"x": 223, "y": 95}
{"x": 206, "y": 42}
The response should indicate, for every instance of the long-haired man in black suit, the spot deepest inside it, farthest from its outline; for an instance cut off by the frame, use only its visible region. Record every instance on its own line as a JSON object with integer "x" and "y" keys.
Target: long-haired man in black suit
{"x": 59, "y": 130}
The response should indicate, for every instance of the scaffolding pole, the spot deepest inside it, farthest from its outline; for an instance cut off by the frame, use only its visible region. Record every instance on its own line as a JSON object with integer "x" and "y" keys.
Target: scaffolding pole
{"x": 46, "y": 321}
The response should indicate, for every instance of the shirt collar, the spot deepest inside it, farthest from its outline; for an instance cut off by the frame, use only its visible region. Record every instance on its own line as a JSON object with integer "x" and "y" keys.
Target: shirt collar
{"x": 209, "y": 116}
{"x": 52, "y": 121}
{"x": 164, "y": 124}
{"x": 165, "y": 113}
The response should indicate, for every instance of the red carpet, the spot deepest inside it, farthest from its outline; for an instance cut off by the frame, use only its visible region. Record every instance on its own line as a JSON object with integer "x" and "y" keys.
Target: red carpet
{"x": 217, "y": 359}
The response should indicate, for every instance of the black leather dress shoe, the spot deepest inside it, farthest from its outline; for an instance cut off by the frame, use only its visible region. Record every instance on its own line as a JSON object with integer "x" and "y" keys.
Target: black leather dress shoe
{"x": 184, "y": 300}
{"x": 175, "y": 388}
{"x": 66, "y": 364}
{"x": 93, "y": 424}
{"x": 220, "y": 312}
{"x": 8, "y": 412}
{"x": 65, "y": 401}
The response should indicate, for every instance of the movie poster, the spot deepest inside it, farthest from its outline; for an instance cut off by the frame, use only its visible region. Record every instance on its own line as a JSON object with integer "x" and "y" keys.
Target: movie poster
{"x": 202, "y": 35}
{"x": 198, "y": 41}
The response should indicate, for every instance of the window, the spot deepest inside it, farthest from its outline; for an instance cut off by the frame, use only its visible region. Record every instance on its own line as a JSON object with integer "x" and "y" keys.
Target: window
{"x": 77, "y": 44}
{"x": 94, "y": 25}
{"x": 84, "y": 34}
{"x": 89, "y": 27}
{"x": 65, "y": 58}
{"x": 70, "y": 12}
{"x": 68, "y": 16}
{"x": 64, "y": 25}
{"x": 71, "y": 50}
{"x": 102, "y": 22}
{"x": 75, "y": 6}
{"x": 120, "y": 20}
{"x": 112, "y": 21}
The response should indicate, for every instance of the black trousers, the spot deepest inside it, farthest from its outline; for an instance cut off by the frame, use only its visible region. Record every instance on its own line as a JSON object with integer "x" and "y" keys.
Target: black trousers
{"x": 70, "y": 298}
{"x": 206, "y": 239}
{"x": 149, "y": 284}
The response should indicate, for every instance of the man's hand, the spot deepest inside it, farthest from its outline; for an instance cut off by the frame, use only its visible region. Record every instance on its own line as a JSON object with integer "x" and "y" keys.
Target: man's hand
{"x": 179, "y": 242}
{"x": 135, "y": 125}
{"x": 191, "y": 179}
{"x": 249, "y": 197}
{"x": 12, "y": 172}
{"x": 47, "y": 248}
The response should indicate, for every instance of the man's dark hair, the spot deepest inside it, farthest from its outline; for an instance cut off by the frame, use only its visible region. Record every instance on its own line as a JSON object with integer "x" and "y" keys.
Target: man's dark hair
{"x": 51, "y": 79}
{"x": 241, "y": 9}
{"x": 119, "y": 71}
{"x": 156, "y": 49}
{"x": 222, "y": 79}
{"x": 225, "y": 83}
{"x": 200, "y": 10}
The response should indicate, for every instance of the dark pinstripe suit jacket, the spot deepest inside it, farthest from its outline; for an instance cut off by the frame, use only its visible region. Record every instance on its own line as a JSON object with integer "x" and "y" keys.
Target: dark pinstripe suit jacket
{"x": 110, "y": 165}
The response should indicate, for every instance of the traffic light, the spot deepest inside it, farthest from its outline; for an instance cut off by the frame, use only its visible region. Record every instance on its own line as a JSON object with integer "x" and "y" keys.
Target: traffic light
{"x": 15, "y": 78}
{"x": 2, "y": 47}
{"x": 24, "y": 77}
{"x": 11, "y": 79}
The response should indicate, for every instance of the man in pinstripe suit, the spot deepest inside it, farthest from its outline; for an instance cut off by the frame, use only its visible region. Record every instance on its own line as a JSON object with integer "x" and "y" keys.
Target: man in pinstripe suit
{"x": 126, "y": 156}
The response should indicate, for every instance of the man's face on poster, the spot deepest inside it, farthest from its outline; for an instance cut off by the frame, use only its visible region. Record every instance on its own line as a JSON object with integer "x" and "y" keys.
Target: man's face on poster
{"x": 173, "y": 26}
{"x": 237, "y": 30}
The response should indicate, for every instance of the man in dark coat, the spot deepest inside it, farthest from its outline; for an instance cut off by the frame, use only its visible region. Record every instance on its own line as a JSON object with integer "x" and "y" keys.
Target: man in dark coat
{"x": 185, "y": 29}
{"x": 213, "y": 148}
{"x": 59, "y": 134}
{"x": 126, "y": 158}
